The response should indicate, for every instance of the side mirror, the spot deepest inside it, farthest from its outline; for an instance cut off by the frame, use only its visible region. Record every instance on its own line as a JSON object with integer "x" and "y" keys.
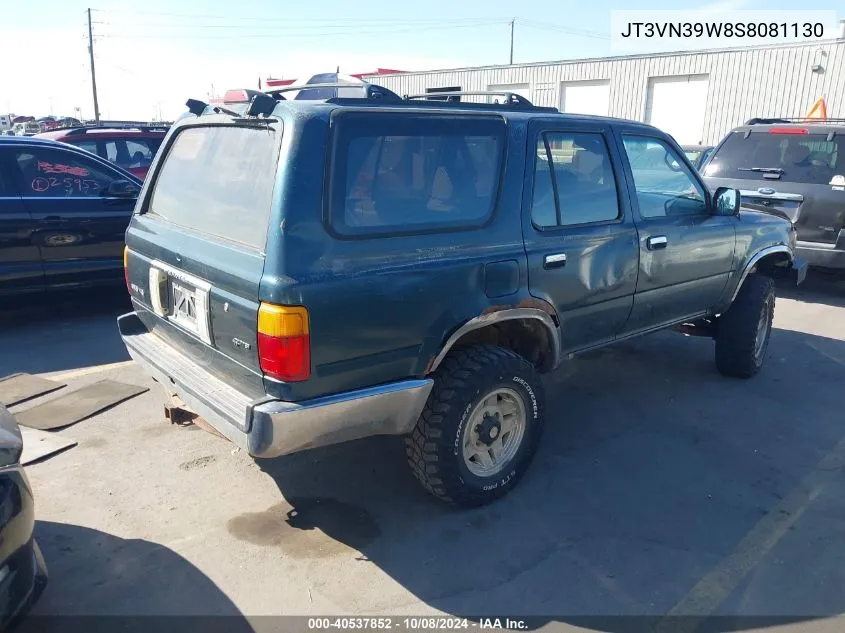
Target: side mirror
{"x": 122, "y": 189}
{"x": 726, "y": 201}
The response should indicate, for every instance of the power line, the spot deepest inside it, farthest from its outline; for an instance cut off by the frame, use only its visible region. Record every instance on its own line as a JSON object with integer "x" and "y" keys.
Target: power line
{"x": 288, "y": 20}
{"x": 309, "y": 24}
{"x": 294, "y": 35}
{"x": 564, "y": 29}
{"x": 296, "y": 27}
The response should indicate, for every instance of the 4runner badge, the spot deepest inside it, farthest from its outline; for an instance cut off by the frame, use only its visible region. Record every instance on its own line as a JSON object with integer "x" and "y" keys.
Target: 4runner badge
{"x": 239, "y": 343}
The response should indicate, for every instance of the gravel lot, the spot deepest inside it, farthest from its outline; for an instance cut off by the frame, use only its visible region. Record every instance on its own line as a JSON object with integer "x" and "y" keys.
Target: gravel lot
{"x": 660, "y": 488}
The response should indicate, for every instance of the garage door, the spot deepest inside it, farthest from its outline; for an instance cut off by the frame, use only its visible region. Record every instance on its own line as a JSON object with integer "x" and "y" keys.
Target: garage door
{"x": 585, "y": 97}
{"x": 677, "y": 105}
{"x": 520, "y": 89}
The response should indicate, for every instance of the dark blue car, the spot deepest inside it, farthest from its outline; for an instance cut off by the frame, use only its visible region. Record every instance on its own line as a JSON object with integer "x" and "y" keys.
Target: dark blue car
{"x": 63, "y": 214}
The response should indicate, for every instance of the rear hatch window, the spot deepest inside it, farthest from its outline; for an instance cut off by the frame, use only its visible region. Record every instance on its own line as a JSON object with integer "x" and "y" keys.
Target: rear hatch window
{"x": 218, "y": 180}
{"x": 779, "y": 156}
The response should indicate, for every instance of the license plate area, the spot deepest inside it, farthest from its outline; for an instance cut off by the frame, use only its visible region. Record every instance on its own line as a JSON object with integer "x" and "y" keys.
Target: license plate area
{"x": 183, "y": 308}
{"x": 182, "y": 299}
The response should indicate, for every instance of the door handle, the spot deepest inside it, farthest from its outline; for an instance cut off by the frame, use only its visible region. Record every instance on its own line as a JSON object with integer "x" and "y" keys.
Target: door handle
{"x": 558, "y": 260}
{"x": 657, "y": 242}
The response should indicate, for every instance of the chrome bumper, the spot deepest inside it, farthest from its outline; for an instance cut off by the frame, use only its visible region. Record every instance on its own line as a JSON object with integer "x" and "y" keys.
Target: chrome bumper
{"x": 823, "y": 254}
{"x": 269, "y": 428}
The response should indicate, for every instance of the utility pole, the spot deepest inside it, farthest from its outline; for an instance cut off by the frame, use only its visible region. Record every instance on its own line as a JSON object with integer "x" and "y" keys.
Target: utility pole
{"x": 93, "y": 74}
{"x": 512, "y": 25}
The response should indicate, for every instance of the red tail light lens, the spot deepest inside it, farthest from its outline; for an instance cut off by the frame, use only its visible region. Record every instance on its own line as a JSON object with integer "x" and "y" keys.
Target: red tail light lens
{"x": 284, "y": 342}
{"x": 287, "y": 359}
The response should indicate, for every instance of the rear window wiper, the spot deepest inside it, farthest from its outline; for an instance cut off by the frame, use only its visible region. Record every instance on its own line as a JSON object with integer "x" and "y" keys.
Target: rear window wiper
{"x": 764, "y": 170}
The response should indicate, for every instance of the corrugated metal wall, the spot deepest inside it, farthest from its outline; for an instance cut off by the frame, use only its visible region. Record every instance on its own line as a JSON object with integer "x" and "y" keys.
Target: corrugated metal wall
{"x": 743, "y": 83}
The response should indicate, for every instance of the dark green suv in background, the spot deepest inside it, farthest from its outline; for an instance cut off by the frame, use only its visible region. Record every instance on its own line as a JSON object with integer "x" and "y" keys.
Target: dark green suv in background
{"x": 307, "y": 273}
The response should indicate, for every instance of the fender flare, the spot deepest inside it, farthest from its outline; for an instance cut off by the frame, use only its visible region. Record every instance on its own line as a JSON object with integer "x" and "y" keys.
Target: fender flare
{"x": 765, "y": 252}
{"x": 499, "y": 316}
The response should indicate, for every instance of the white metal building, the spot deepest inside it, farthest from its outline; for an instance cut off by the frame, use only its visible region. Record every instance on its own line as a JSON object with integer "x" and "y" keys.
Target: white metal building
{"x": 695, "y": 96}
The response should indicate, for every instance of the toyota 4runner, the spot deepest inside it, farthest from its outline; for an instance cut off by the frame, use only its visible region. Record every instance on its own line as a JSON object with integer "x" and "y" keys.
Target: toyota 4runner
{"x": 308, "y": 273}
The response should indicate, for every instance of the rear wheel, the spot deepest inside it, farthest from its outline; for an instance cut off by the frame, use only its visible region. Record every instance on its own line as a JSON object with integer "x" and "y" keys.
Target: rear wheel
{"x": 480, "y": 427}
{"x": 743, "y": 332}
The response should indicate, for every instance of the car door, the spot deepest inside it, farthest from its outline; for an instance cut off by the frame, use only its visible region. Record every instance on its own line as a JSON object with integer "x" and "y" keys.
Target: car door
{"x": 686, "y": 252}
{"x": 80, "y": 229}
{"x": 20, "y": 261}
{"x": 579, "y": 235}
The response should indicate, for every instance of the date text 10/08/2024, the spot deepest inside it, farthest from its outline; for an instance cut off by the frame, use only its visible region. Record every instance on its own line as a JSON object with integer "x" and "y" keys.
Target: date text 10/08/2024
{"x": 416, "y": 624}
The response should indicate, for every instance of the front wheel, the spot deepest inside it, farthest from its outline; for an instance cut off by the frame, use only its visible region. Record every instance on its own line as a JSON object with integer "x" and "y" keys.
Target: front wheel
{"x": 743, "y": 332}
{"x": 480, "y": 427}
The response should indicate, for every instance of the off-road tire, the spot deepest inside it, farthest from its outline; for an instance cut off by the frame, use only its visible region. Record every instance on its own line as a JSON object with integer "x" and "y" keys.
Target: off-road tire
{"x": 736, "y": 329}
{"x": 434, "y": 448}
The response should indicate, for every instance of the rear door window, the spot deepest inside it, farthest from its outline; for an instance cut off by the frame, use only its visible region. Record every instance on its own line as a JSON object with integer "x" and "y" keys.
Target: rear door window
{"x": 788, "y": 157}
{"x": 219, "y": 180}
{"x": 50, "y": 173}
{"x": 574, "y": 181}
{"x": 409, "y": 173}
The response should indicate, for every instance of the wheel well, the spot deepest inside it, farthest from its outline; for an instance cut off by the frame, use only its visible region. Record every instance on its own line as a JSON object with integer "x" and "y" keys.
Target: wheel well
{"x": 527, "y": 337}
{"x": 772, "y": 265}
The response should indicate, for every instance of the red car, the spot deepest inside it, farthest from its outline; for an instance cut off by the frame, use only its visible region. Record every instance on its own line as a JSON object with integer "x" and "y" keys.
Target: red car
{"x": 131, "y": 148}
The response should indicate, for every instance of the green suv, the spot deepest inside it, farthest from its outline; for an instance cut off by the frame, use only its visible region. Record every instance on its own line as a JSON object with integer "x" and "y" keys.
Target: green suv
{"x": 305, "y": 273}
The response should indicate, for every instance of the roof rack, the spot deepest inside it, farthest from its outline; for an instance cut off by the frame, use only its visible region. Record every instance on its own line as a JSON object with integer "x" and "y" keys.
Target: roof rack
{"x": 791, "y": 120}
{"x": 77, "y": 130}
{"x": 367, "y": 90}
{"x": 511, "y": 98}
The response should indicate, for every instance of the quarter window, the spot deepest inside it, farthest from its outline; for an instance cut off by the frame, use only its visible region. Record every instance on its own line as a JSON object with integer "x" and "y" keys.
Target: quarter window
{"x": 131, "y": 153}
{"x": 664, "y": 185}
{"x": 52, "y": 173}
{"x": 574, "y": 181}
{"x": 406, "y": 174}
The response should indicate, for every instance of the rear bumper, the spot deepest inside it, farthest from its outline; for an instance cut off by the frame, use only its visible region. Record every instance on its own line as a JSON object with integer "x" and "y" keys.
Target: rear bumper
{"x": 822, "y": 254}
{"x": 266, "y": 427}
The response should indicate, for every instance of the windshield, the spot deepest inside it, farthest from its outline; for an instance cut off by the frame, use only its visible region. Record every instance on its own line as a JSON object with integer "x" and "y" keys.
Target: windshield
{"x": 219, "y": 180}
{"x": 692, "y": 155}
{"x": 806, "y": 158}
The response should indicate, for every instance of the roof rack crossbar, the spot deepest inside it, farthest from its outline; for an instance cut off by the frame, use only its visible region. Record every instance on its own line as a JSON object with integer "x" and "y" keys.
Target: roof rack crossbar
{"x": 512, "y": 98}
{"x": 368, "y": 90}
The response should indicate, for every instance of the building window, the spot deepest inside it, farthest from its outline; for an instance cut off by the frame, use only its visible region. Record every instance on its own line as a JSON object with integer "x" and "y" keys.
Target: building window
{"x": 446, "y": 89}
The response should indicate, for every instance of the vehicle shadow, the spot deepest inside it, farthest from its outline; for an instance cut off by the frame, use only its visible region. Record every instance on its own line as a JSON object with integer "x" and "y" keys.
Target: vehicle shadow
{"x": 818, "y": 287}
{"x": 100, "y": 582}
{"x": 63, "y": 335}
{"x": 659, "y": 485}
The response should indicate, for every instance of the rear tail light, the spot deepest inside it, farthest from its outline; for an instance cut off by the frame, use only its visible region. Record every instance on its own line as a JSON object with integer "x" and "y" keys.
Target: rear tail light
{"x": 126, "y": 268}
{"x": 284, "y": 344}
{"x": 789, "y": 130}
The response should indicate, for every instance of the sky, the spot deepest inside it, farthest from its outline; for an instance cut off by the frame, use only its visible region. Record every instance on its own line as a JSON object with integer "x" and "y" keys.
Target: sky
{"x": 151, "y": 57}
